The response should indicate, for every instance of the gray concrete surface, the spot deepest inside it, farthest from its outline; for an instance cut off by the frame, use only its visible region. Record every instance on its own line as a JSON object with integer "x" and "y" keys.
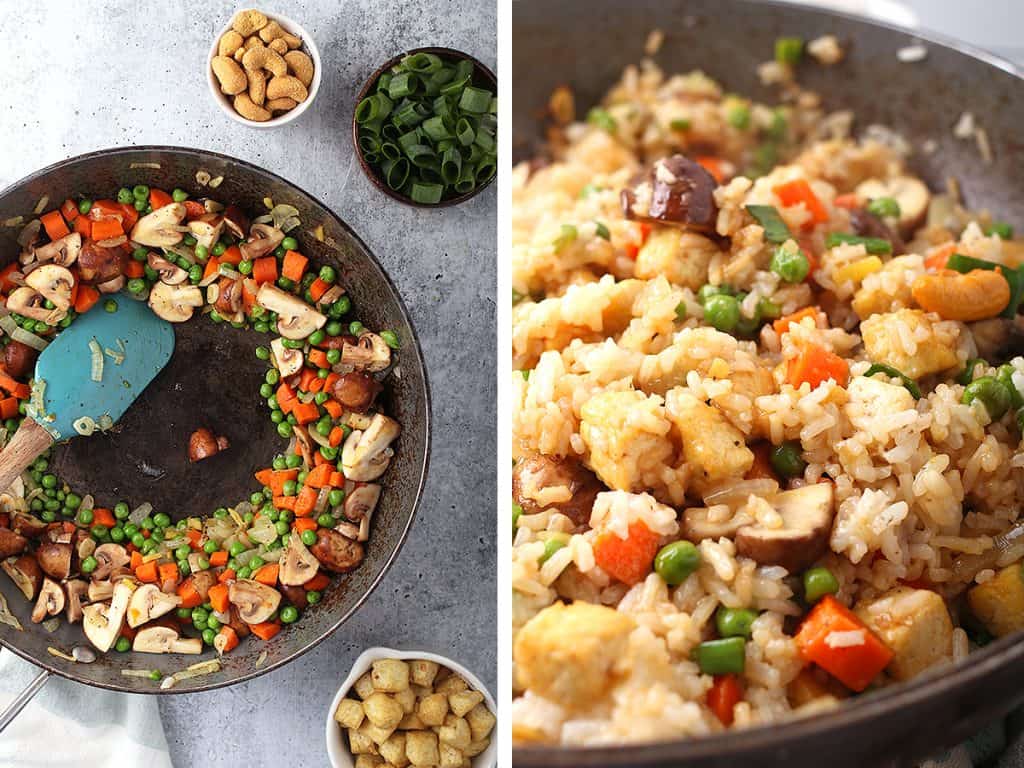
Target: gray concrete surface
{"x": 87, "y": 75}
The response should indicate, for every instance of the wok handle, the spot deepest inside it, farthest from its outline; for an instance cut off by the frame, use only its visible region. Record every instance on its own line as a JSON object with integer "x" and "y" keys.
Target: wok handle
{"x": 23, "y": 698}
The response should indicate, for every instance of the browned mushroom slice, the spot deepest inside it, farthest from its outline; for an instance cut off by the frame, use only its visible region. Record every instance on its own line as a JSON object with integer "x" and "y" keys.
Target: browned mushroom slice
{"x": 236, "y": 221}
{"x": 27, "y": 525}
{"x": 50, "y": 601}
{"x": 868, "y": 224}
{"x": 296, "y": 596}
{"x": 696, "y": 525}
{"x": 25, "y": 573}
{"x": 335, "y": 552}
{"x": 97, "y": 264}
{"x": 255, "y": 602}
{"x": 298, "y": 564}
{"x": 675, "y": 191}
{"x": 76, "y": 592}
{"x": 11, "y": 543}
{"x": 356, "y": 390}
{"x": 55, "y": 559}
{"x": 807, "y": 514}
{"x": 109, "y": 557}
{"x": 202, "y": 444}
{"x": 19, "y": 359}
{"x": 533, "y": 474}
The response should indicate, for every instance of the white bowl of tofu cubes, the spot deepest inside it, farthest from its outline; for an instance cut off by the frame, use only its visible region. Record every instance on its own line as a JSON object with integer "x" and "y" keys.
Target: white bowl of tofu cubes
{"x": 411, "y": 708}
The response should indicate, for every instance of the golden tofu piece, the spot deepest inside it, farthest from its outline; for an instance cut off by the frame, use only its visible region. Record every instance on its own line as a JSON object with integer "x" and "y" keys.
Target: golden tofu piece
{"x": 885, "y": 343}
{"x": 568, "y": 653}
{"x": 461, "y": 703}
{"x": 915, "y": 624}
{"x": 679, "y": 256}
{"x": 393, "y": 750}
{"x": 481, "y": 721}
{"x": 713, "y": 447}
{"x": 383, "y": 711}
{"x": 390, "y": 675}
{"x": 349, "y": 713}
{"x": 423, "y": 672}
{"x": 999, "y": 602}
{"x": 432, "y": 709}
{"x": 421, "y": 748}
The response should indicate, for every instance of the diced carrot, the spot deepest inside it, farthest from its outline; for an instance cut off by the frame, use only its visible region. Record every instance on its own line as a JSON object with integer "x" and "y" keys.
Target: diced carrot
{"x": 218, "y": 597}
{"x": 318, "y": 459}
{"x": 307, "y": 377}
{"x": 318, "y": 583}
{"x": 83, "y": 226}
{"x": 854, "y": 664}
{"x": 226, "y": 575}
{"x": 229, "y": 639}
{"x": 330, "y": 381}
{"x": 629, "y": 560}
{"x": 849, "y": 200}
{"x": 128, "y": 215}
{"x": 334, "y": 408}
{"x": 337, "y": 480}
{"x": 336, "y": 436}
{"x": 264, "y": 476}
{"x": 285, "y": 393}
{"x": 194, "y": 210}
{"x": 14, "y": 387}
{"x": 305, "y": 412}
{"x": 723, "y": 696}
{"x": 5, "y": 276}
{"x": 69, "y": 210}
{"x": 782, "y": 324}
{"x": 306, "y": 501}
{"x": 8, "y": 408}
{"x": 285, "y": 502}
{"x": 265, "y": 270}
{"x": 147, "y": 572}
{"x": 632, "y": 250}
{"x": 232, "y": 255}
{"x": 304, "y": 524}
{"x": 712, "y": 165}
{"x": 799, "y": 191}
{"x": 318, "y": 288}
{"x": 279, "y": 477}
{"x": 219, "y": 558}
{"x": 294, "y": 265}
{"x": 194, "y": 538}
{"x": 106, "y": 229}
{"x": 86, "y": 298}
{"x": 169, "y": 572}
{"x": 319, "y": 477}
{"x": 267, "y": 574}
{"x": 134, "y": 269}
{"x": 190, "y": 597}
{"x": 318, "y": 358}
{"x": 266, "y": 630}
{"x": 54, "y": 225}
{"x": 136, "y": 560}
{"x": 211, "y": 267}
{"x": 938, "y": 256}
{"x": 815, "y": 364}
{"x": 101, "y": 516}
{"x": 158, "y": 198}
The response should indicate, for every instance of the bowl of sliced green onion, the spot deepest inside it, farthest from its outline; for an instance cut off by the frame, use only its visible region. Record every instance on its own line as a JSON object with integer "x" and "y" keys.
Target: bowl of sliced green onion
{"x": 425, "y": 127}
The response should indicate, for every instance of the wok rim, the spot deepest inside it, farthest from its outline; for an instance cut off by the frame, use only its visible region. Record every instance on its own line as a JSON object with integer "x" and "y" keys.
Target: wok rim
{"x": 424, "y": 394}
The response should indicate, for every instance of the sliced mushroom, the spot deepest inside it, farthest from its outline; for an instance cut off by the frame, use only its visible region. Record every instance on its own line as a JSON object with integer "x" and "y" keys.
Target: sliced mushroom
{"x": 263, "y": 238}
{"x": 149, "y": 603}
{"x": 19, "y": 359}
{"x": 75, "y": 591}
{"x": 55, "y": 559}
{"x": 27, "y": 525}
{"x": 63, "y": 251}
{"x": 229, "y": 297}
{"x": 865, "y": 223}
{"x": 100, "y": 264}
{"x": 28, "y": 302}
{"x": 296, "y": 595}
{"x": 911, "y": 194}
{"x": 108, "y": 558}
{"x": 54, "y": 282}
{"x": 298, "y": 564}
{"x": 295, "y": 318}
{"x": 175, "y": 303}
{"x": 112, "y": 286}
{"x": 370, "y": 353}
{"x": 305, "y": 444}
{"x": 102, "y": 622}
{"x": 255, "y": 602}
{"x": 100, "y": 590}
{"x": 236, "y": 222}
{"x": 356, "y": 390}
{"x": 287, "y": 361}
{"x": 366, "y": 454}
{"x": 161, "y": 228}
{"x": 25, "y": 573}
{"x": 675, "y": 191}
{"x": 807, "y": 514}
{"x": 337, "y": 553}
{"x": 532, "y": 474}
{"x": 202, "y": 444}
{"x": 359, "y": 505}
{"x": 207, "y": 230}
{"x": 161, "y": 639}
{"x": 695, "y": 525}
{"x": 50, "y": 601}
{"x": 169, "y": 273}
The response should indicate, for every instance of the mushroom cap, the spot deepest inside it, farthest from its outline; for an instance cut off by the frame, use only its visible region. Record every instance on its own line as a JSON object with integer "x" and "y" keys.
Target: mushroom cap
{"x": 54, "y": 282}
{"x": 63, "y": 251}
{"x": 109, "y": 557}
{"x": 25, "y": 573}
{"x": 911, "y": 194}
{"x": 370, "y": 353}
{"x": 50, "y": 601}
{"x": 169, "y": 273}
{"x": 55, "y": 559}
{"x": 207, "y": 229}
{"x": 102, "y": 621}
{"x": 807, "y": 514}
{"x": 366, "y": 454}
{"x": 296, "y": 318}
{"x": 287, "y": 361}
{"x": 263, "y": 239}
{"x": 30, "y": 303}
{"x": 156, "y": 639}
{"x": 149, "y": 603}
{"x": 255, "y": 602}
{"x": 160, "y": 228}
{"x": 75, "y": 590}
{"x": 674, "y": 190}
{"x": 175, "y": 303}
{"x": 298, "y": 564}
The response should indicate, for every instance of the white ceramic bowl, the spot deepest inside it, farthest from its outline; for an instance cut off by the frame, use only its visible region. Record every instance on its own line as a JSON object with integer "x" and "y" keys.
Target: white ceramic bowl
{"x": 336, "y": 747}
{"x": 224, "y": 101}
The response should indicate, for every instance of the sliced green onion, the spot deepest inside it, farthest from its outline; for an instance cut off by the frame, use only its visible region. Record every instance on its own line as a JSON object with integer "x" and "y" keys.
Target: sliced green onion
{"x": 475, "y": 100}
{"x": 775, "y": 229}
{"x": 602, "y": 119}
{"x": 602, "y": 231}
{"x": 451, "y": 166}
{"x": 429, "y": 194}
{"x": 568, "y": 235}
{"x": 423, "y": 63}
{"x": 888, "y": 370}
{"x": 876, "y": 246}
{"x": 403, "y": 84}
{"x": 788, "y": 50}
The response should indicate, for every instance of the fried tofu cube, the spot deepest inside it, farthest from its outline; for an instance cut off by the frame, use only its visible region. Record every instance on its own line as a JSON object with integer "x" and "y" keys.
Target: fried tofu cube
{"x": 999, "y": 603}
{"x": 915, "y": 624}
{"x": 406, "y": 699}
{"x": 423, "y": 672}
{"x": 461, "y": 703}
{"x": 432, "y": 709}
{"x": 368, "y": 761}
{"x": 481, "y": 721}
{"x": 456, "y": 732}
{"x": 451, "y": 684}
{"x": 393, "y": 750}
{"x": 421, "y": 748}
{"x": 349, "y": 713}
{"x": 476, "y": 747}
{"x": 569, "y": 653}
{"x": 411, "y": 722}
{"x": 390, "y": 675}
{"x": 359, "y": 743}
{"x": 450, "y": 756}
{"x": 885, "y": 341}
{"x": 364, "y": 686}
{"x": 377, "y": 734}
{"x": 715, "y": 449}
{"x": 383, "y": 711}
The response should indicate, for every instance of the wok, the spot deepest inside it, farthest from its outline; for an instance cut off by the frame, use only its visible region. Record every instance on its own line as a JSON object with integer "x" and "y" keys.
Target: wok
{"x": 213, "y": 380}
{"x": 586, "y": 44}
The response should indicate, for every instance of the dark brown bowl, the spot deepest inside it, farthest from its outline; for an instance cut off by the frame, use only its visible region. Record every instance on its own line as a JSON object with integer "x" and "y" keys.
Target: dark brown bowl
{"x": 481, "y": 72}
{"x": 213, "y": 380}
{"x": 587, "y": 43}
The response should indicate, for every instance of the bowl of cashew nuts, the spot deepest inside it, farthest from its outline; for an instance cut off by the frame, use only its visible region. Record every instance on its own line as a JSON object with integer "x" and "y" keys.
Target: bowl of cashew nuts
{"x": 263, "y": 69}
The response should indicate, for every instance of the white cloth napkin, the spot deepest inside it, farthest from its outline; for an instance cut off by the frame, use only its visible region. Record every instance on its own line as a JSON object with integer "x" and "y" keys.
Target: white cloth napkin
{"x": 69, "y": 725}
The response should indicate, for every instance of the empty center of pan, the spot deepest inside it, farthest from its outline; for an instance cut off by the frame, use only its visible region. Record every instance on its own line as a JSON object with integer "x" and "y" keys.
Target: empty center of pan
{"x": 212, "y": 380}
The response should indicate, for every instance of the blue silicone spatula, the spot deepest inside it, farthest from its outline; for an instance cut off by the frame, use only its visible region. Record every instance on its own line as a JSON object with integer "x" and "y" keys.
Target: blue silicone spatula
{"x": 141, "y": 344}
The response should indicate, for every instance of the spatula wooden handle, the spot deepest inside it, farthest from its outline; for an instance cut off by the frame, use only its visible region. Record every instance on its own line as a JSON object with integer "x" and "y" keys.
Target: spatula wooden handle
{"x": 28, "y": 442}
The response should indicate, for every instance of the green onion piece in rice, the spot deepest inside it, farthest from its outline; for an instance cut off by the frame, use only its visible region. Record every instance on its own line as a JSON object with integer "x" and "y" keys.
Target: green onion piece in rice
{"x": 888, "y": 370}
{"x": 602, "y": 119}
{"x": 96, "y": 372}
{"x": 84, "y": 425}
{"x": 877, "y": 246}
{"x": 602, "y": 231}
{"x": 775, "y": 229}
{"x": 965, "y": 264}
{"x": 788, "y": 50}
{"x": 966, "y": 376}
{"x": 567, "y": 236}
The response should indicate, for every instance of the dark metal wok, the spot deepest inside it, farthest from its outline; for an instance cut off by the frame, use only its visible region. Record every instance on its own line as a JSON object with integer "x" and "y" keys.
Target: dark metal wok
{"x": 587, "y": 43}
{"x": 213, "y": 380}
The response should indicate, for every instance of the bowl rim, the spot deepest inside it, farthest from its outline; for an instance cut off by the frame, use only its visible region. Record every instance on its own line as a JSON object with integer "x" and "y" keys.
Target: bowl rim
{"x": 310, "y": 46}
{"x": 478, "y": 67}
{"x": 336, "y": 751}
{"x": 425, "y": 393}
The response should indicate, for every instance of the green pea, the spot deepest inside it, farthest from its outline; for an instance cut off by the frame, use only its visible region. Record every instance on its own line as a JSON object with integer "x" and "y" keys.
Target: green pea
{"x": 245, "y": 267}
{"x": 49, "y": 481}
{"x": 289, "y": 614}
{"x": 202, "y": 563}
{"x": 215, "y": 317}
{"x": 161, "y": 519}
{"x": 139, "y": 540}
{"x": 390, "y": 338}
{"x": 722, "y": 657}
{"x": 787, "y": 459}
{"x": 121, "y": 510}
{"x": 156, "y": 675}
{"x": 884, "y": 207}
{"x": 85, "y": 517}
{"x": 141, "y": 206}
{"x": 328, "y": 452}
{"x": 290, "y": 244}
{"x": 117, "y": 534}
{"x": 100, "y": 532}
{"x": 340, "y": 307}
{"x": 284, "y": 429}
{"x": 1004, "y": 374}
{"x": 148, "y": 545}
{"x": 244, "y": 573}
{"x": 333, "y": 328}
{"x": 325, "y": 520}
{"x": 739, "y": 117}
{"x": 123, "y": 645}
{"x": 72, "y": 501}
{"x": 257, "y": 562}
{"x": 722, "y": 312}
{"x": 285, "y": 283}
{"x": 309, "y": 538}
{"x": 213, "y": 623}
{"x": 220, "y": 513}
{"x": 272, "y": 377}
{"x": 819, "y": 582}
{"x": 202, "y": 252}
{"x": 333, "y": 356}
{"x": 124, "y": 195}
{"x": 324, "y": 426}
{"x": 734, "y": 622}
{"x": 293, "y": 343}
{"x": 89, "y": 564}
{"x": 136, "y": 285}
{"x": 675, "y": 562}
{"x": 327, "y": 274}
{"x": 84, "y": 205}
{"x": 335, "y": 497}
{"x": 195, "y": 274}
{"x": 290, "y": 488}
{"x": 317, "y": 337}
{"x": 553, "y": 543}
{"x": 140, "y": 254}
{"x": 991, "y": 392}
{"x": 179, "y": 195}
{"x": 791, "y": 265}
{"x": 313, "y": 597}
{"x": 261, "y": 327}
{"x": 282, "y": 527}
{"x": 262, "y": 353}
{"x": 356, "y": 328}
{"x": 140, "y": 192}
{"x": 320, "y": 398}
{"x": 210, "y": 547}
{"x": 131, "y": 529}
{"x": 293, "y": 461}
{"x": 47, "y": 516}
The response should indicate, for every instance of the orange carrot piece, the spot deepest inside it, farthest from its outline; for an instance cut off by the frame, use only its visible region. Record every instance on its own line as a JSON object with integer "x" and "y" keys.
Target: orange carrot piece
{"x": 5, "y": 276}
{"x": 285, "y": 502}
{"x": 69, "y": 210}
{"x": 8, "y": 408}
{"x": 13, "y": 386}
{"x": 336, "y": 436}
{"x": 169, "y": 572}
{"x": 190, "y": 597}
{"x": 266, "y": 630}
{"x": 318, "y": 583}
{"x": 102, "y": 516}
{"x": 232, "y": 255}
{"x": 158, "y": 198}
{"x": 306, "y": 378}
{"x": 285, "y": 392}
{"x": 219, "y": 558}
{"x": 318, "y": 288}
{"x": 230, "y": 639}
{"x": 54, "y": 225}
{"x": 330, "y": 381}
{"x": 226, "y": 575}
{"x": 305, "y": 412}
{"x": 194, "y": 537}
{"x": 279, "y": 477}
{"x": 782, "y": 324}
{"x": 816, "y": 364}
{"x": 83, "y": 226}
{"x": 134, "y": 269}
{"x": 147, "y": 573}
{"x": 105, "y": 229}
{"x": 306, "y": 501}
{"x": 136, "y": 560}
{"x": 629, "y": 560}
{"x": 319, "y": 476}
{"x": 294, "y": 265}
{"x": 337, "y": 480}
{"x": 86, "y": 298}
{"x": 849, "y": 200}
{"x": 799, "y": 191}
{"x": 318, "y": 358}
{"x": 218, "y": 597}
{"x": 264, "y": 476}
{"x": 304, "y": 524}
{"x": 194, "y": 210}
{"x": 938, "y": 256}
{"x": 723, "y": 696}
{"x": 854, "y": 665}
{"x": 334, "y": 408}
{"x": 267, "y": 574}
{"x": 211, "y": 267}
{"x": 265, "y": 270}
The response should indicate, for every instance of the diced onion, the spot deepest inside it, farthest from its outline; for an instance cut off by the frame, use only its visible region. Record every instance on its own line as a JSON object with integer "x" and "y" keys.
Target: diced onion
{"x": 202, "y": 178}
{"x": 29, "y": 339}
{"x": 140, "y": 513}
{"x": 8, "y": 618}
{"x": 60, "y": 654}
{"x": 290, "y": 223}
{"x": 216, "y": 181}
{"x": 84, "y": 426}
{"x": 88, "y": 503}
{"x": 14, "y": 221}
{"x": 105, "y": 422}
{"x": 41, "y": 205}
{"x": 117, "y": 357}
{"x": 227, "y": 270}
{"x": 96, "y": 373}
{"x": 51, "y": 624}
{"x": 261, "y": 659}
{"x": 152, "y": 166}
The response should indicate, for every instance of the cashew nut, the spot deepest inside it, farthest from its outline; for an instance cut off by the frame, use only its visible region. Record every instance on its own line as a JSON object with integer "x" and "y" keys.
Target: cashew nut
{"x": 230, "y": 76}
{"x": 258, "y": 87}
{"x": 280, "y": 105}
{"x": 248, "y": 22}
{"x": 264, "y": 58}
{"x": 278, "y": 45}
{"x": 229, "y": 43}
{"x": 977, "y": 295}
{"x": 250, "y": 110}
{"x": 252, "y": 42}
{"x": 300, "y": 65}
{"x": 238, "y": 54}
{"x": 274, "y": 31}
{"x": 286, "y": 86}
